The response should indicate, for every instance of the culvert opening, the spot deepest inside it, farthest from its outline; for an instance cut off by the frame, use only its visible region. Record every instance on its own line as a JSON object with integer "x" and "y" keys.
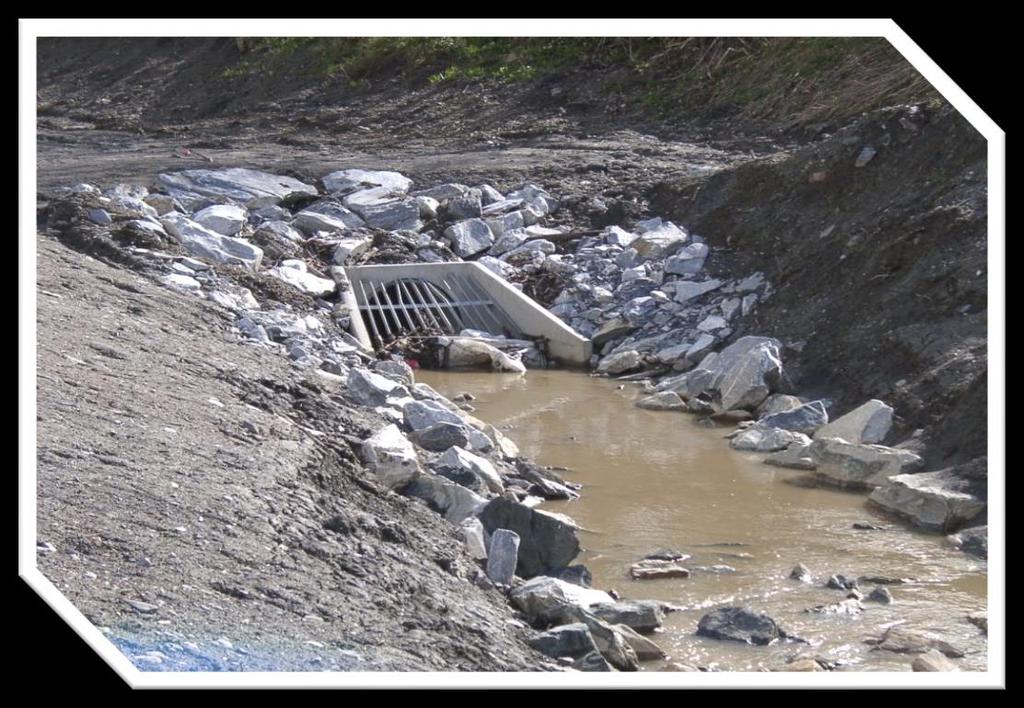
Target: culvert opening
{"x": 407, "y": 304}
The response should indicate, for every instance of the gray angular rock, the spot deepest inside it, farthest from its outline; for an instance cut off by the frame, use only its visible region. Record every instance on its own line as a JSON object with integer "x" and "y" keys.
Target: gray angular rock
{"x": 592, "y": 662}
{"x": 508, "y": 230}
{"x": 391, "y": 457}
{"x": 940, "y": 500}
{"x": 99, "y": 216}
{"x": 932, "y": 660}
{"x": 739, "y": 624}
{"x": 778, "y": 403}
{"x": 546, "y": 542}
{"x": 859, "y": 466}
{"x": 973, "y": 540}
{"x": 644, "y": 648}
{"x": 641, "y": 615}
{"x": 469, "y": 237}
{"x": 396, "y": 215}
{"x": 616, "y": 236}
{"x": 277, "y": 239}
{"x": 620, "y": 363}
{"x": 396, "y": 371}
{"x": 452, "y": 500}
{"x": 795, "y": 457}
{"x": 472, "y": 532}
{"x": 658, "y": 239}
{"x": 664, "y": 401}
{"x": 880, "y": 594}
{"x": 687, "y": 290}
{"x": 868, "y": 423}
{"x": 351, "y": 179}
{"x": 572, "y": 640}
{"x": 294, "y": 273}
{"x": 441, "y": 436}
{"x": 441, "y": 192}
{"x": 805, "y": 418}
{"x": 575, "y": 574}
{"x": 458, "y": 459}
{"x": 465, "y": 206}
{"x": 349, "y": 248}
{"x": 544, "y": 600}
{"x": 502, "y": 556}
{"x": 225, "y": 219}
{"x": 369, "y": 389}
{"x": 761, "y": 439}
{"x": 901, "y": 640}
{"x": 326, "y": 215}
{"x": 210, "y": 245}
{"x": 688, "y": 260}
{"x": 251, "y": 188}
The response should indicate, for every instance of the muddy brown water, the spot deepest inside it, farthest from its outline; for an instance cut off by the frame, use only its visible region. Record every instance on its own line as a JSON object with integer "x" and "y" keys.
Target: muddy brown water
{"x": 654, "y": 480}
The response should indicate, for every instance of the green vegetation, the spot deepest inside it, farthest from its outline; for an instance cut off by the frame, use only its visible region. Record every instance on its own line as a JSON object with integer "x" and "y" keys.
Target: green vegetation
{"x": 790, "y": 80}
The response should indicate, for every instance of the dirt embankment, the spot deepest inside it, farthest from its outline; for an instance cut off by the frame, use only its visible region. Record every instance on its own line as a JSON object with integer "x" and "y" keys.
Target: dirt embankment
{"x": 880, "y": 271}
{"x": 206, "y": 502}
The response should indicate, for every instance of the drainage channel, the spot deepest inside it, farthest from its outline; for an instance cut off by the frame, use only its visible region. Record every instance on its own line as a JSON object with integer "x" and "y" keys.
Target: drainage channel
{"x": 654, "y": 480}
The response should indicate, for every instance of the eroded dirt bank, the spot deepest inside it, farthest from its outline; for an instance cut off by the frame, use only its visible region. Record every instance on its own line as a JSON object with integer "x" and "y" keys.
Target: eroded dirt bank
{"x": 200, "y": 490}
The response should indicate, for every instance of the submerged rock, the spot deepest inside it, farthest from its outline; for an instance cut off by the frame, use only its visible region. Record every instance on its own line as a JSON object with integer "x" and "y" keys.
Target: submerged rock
{"x": 761, "y": 439}
{"x": 900, "y": 640}
{"x": 652, "y": 569}
{"x": 739, "y": 624}
{"x": 641, "y": 615}
{"x": 933, "y": 660}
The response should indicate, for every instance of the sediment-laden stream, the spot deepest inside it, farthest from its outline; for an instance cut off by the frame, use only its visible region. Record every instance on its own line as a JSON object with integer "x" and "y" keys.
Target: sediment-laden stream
{"x": 655, "y": 480}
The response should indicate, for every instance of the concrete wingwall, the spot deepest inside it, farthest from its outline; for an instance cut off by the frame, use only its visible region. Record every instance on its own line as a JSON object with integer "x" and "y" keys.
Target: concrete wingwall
{"x": 503, "y": 302}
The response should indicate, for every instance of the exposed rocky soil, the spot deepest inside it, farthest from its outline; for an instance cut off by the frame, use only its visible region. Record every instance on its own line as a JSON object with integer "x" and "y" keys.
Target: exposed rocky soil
{"x": 197, "y": 489}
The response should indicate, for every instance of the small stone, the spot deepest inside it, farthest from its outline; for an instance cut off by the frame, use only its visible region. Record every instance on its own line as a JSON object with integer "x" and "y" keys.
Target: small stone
{"x": 841, "y": 582}
{"x": 502, "y": 556}
{"x": 143, "y": 608}
{"x": 880, "y": 594}
{"x": 933, "y": 660}
{"x": 802, "y": 573}
{"x": 865, "y": 156}
{"x": 657, "y": 569}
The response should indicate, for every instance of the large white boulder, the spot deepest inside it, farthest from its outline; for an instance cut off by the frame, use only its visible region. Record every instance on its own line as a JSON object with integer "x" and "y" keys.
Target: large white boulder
{"x": 344, "y": 180}
{"x": 251, "y": 188}
{"x": 203, "y": 243}
{"x": 225, "y": 219}
{"x": 458, "y": 459}
{"x": 859, "y": 466}
{"x": 940, "y": 501}
{"x": 543, "y": 598}
{"x": 391, "y": 457}
{"x": 868, "y": 423}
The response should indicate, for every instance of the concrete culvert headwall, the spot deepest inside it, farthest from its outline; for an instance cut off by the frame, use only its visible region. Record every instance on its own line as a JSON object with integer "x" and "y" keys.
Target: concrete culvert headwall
{"x": 390, "y": 301}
